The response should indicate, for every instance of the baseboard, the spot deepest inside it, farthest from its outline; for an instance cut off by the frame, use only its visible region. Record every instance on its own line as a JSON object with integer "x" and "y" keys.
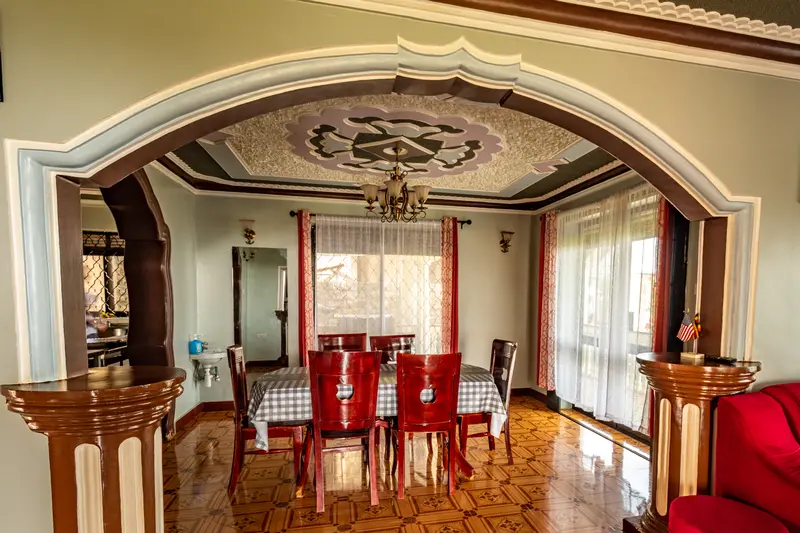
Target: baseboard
{"x": 527, "y": 391}
{"x": 226, "y": 405}
{"x": 203, "y": 407}
{"x": 189, "y": 417}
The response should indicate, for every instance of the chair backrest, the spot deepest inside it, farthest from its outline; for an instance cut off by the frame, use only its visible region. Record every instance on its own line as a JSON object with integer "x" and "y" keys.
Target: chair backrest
{"x": 427, "y": 391}
{"x": 344, "y": 389}
{"x": 238, "y": 383}
{"x": 504, "y": 353}
{"x": 343, "y": 342}
{"x": 391, "y": 345}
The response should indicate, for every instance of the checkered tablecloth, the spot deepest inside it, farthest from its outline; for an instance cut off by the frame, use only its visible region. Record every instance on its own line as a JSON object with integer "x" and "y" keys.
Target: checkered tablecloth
{"x": 285, "y": 395}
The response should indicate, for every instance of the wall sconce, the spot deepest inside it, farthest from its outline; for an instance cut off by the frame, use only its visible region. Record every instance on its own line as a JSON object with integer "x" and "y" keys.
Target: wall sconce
{"x": 505, "y": 240}
{"x": 248, "y": 232}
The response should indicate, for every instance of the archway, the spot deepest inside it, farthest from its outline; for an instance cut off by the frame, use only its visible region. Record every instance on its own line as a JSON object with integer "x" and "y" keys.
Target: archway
{"x": 166, "y": 121}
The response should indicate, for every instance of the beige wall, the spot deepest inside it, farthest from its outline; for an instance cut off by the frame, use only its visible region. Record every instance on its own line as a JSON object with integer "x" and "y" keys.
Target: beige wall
{"x": 493, "y": 293}
{"x": 69, "y": 65}
{"x": 97, "y": 218}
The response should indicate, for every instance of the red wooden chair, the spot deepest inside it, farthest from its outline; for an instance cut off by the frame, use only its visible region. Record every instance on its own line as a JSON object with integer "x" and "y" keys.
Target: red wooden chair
{"x": 437, "y": 376}
{"x": 391, "y": 345}
{"x": 343, "y": 342}
{"x": 344, "y": 397}
{"x": 243, "y": 431}
{"x": 504, "y": 353}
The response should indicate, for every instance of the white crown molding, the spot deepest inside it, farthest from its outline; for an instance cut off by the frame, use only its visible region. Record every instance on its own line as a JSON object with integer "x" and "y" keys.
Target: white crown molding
{"x": 427, "y": 11}
{"x": 699, "y": 17}
{"x": 311, "y": 188}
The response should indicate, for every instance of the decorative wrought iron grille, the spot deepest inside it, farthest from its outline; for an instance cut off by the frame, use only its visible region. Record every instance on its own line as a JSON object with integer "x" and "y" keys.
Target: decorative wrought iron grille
{"x": 104, "y": 283}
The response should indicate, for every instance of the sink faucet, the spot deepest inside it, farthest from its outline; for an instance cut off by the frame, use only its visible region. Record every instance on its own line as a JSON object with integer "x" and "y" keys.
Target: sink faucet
{"x": 205, "y": 346}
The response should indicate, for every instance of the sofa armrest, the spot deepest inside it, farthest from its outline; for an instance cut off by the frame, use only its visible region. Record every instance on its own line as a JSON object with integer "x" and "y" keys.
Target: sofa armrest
{"x": 757, "y": 457}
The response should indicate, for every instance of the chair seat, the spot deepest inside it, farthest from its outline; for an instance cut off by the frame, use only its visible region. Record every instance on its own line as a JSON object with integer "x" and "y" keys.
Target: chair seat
{"x": 710, "y": 514}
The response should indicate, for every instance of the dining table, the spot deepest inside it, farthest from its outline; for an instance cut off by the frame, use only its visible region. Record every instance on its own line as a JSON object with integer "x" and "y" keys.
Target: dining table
{"x": 285, "y": 395}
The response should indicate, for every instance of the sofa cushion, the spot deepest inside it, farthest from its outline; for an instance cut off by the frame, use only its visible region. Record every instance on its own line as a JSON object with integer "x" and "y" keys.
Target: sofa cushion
{"x": 709, "y": 514}
{"x": 788, "y": 395}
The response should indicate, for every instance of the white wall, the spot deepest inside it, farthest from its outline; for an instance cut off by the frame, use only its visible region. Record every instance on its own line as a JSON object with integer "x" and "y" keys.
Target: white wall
{"x": 178, "y": 206}
{"x": 493, "y": 295}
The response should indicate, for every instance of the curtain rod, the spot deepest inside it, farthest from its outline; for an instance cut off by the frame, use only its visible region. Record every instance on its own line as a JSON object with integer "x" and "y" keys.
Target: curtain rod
{"x": 468, "y": 222}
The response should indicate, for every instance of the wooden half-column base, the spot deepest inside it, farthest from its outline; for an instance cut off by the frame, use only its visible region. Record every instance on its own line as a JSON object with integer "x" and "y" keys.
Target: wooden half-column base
{"x": 104, "y": 436}
{"x": 681, "y": 449}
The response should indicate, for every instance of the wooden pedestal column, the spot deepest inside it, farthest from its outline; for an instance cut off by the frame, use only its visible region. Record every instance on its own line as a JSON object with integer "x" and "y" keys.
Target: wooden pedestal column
{"x": 680, "y": 453}
{"x": 104, "y": 431}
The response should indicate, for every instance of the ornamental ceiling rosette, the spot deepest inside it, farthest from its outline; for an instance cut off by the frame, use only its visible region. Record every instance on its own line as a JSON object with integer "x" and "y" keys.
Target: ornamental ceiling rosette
{"x": 363, "y": 140}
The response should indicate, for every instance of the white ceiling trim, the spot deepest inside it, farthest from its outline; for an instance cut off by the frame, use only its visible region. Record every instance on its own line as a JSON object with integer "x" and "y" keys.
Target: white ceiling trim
{"x": 699, "y": 17}
{"x": 483, "y": 20}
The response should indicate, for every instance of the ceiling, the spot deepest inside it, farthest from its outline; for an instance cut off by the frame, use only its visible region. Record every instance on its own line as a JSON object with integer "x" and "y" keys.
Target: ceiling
{"x": 468, "y": 153}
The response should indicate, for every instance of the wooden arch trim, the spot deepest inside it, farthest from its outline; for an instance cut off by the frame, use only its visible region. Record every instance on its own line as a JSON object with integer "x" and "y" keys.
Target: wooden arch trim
{"x": 455, "y": 86}
{"x": 147, "y": 257}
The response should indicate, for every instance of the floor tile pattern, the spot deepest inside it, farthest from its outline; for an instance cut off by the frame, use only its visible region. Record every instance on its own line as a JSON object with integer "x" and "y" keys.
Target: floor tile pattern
{"x": 565, "y": 479}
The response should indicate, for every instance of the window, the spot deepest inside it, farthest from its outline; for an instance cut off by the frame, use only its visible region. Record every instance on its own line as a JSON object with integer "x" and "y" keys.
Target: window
{"x": 606, "y": 271}
{"x": 104, "y": 284}
{"x": 382, "y": 279}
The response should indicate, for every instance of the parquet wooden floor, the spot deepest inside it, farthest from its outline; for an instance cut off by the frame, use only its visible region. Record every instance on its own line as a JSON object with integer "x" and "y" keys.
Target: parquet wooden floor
{"x": 565, "y": 479}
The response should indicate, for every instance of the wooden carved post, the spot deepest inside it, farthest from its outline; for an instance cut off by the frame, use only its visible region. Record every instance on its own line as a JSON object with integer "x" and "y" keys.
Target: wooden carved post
{"x": 104, "y": 435}
{"x": 680, "y": 454}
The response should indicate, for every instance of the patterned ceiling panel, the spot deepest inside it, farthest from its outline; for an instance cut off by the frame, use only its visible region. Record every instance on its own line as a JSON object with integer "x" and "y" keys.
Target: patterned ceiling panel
{"x": 446, "y": 144}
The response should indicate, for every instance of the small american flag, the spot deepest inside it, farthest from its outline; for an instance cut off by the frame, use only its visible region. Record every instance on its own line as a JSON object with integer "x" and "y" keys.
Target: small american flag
{"x": 688, "y": 330}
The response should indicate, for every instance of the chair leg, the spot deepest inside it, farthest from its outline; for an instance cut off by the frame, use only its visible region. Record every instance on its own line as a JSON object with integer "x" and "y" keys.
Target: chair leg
{"x": 237, "y": 464}
{"x": 507, "y": 429}
{"x": 463, "y": 434}
{"x": 319, "y": 480}
{"x": 387, "y": 434}
{"x": 429, "y": 438}
{"x": 303, "y": 477}
{"x": 365, "y": 450}
{"x": 491, "y": 443}
{"x": 401, "y": 462}
{"x": 451, "y": 463}
{"x": 373, "y": 475}
{"x": 297, "y": 448}
{"x": 394, "y": 445}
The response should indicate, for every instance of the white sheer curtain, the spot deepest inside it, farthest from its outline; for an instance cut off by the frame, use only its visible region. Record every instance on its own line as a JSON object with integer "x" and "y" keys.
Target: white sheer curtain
{"x": 605, "y": 285}
{"x": 379, "y": 278}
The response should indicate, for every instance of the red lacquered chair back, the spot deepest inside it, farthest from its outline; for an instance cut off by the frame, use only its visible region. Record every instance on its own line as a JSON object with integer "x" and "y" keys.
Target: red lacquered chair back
{"x": 238, "y": 383}
{"x": 504, "y": 353}
{"x": 438, "y": 373}
{"x": 391, "y": 345}
{"x": 343, "y": 342}
{"x": 344, "y": 389}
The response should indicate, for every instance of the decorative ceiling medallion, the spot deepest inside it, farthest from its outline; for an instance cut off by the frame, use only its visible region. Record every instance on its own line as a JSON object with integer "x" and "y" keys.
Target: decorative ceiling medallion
{"x": 364, "y": 139}
{"x": 436, "y": 133}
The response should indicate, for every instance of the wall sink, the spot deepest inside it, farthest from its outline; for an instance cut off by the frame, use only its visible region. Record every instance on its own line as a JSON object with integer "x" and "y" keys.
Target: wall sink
{"x": 208, "y": 361}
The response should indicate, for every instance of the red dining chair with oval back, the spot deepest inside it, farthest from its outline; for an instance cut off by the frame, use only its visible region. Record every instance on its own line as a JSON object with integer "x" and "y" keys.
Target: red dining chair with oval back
{"x": 504, "y": 353}
{"x": 427, "y": 402}
{"x": 344, "y": 399}
{"x": 343, "y": 342}
{"x": 388, "y": 346}
{"x": 243, "y": 432}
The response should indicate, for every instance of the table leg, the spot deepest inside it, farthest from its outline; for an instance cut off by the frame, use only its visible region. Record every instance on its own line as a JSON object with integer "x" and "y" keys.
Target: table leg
{"x": 463, "y": 464}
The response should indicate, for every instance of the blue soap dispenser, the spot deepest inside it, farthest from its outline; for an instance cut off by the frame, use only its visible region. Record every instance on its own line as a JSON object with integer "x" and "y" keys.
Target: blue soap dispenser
{"x": 195, "y": 345}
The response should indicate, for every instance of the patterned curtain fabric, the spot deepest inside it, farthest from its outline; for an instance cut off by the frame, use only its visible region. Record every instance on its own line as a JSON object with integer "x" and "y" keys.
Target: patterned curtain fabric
{"x": 379, "y": 279}
{"x": 306, "y": 288}
{"x": 449, "y": 285}
{"x": 546, "y": 377}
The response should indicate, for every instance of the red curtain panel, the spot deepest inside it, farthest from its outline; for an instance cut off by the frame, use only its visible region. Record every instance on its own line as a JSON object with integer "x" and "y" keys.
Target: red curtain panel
{"x": 449, "y": 285}
{"x": 546, "y": 371}
{"x": 306, "y": 286}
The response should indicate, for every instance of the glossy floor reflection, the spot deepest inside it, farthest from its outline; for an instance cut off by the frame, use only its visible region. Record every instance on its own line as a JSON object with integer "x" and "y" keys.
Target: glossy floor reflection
{"x": 566, "y": 478}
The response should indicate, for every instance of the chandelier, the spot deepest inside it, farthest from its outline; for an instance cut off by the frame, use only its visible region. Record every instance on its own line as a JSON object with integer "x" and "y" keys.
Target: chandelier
{"x": 395, "y": 201}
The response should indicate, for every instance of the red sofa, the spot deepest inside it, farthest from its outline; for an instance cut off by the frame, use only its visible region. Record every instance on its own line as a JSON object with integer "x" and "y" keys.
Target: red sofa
{"x": 757, "y": 459}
